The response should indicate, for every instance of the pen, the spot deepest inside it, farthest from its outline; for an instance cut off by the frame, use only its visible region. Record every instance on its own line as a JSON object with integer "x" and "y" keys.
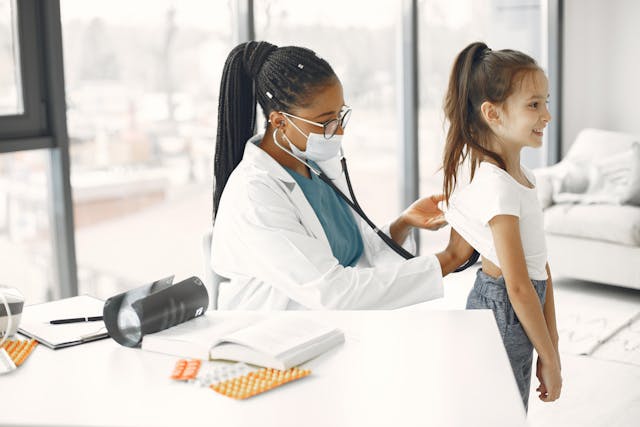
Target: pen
{"x": 76, "y": 320}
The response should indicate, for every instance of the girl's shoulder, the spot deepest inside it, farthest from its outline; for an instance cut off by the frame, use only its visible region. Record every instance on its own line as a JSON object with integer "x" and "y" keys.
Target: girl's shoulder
{"x": 488, "y": 183}
{"x": 491, "y": 175}
{"x": 491, "y": 192}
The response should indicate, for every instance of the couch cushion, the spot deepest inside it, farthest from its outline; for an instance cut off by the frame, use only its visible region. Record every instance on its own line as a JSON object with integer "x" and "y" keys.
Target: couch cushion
{"x": 613, "y": 178}
{"x": 592, "y": 144}
{"x": 610, "y": 223}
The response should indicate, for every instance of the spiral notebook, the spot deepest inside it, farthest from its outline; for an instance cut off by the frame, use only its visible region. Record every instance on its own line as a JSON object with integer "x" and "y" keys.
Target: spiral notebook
{"x": 35, "y": 322}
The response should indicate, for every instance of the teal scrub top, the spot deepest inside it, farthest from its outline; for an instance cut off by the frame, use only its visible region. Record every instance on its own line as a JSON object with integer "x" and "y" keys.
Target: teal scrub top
{"x": 335, "y": 216}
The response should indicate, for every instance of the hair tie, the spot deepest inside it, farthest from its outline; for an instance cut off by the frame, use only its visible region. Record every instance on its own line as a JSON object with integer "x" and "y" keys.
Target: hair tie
{"x": 255, "y": 55}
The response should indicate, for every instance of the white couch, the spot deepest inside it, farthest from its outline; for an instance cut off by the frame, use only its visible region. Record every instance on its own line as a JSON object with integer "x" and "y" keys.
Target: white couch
{"x": 591, "y": 202}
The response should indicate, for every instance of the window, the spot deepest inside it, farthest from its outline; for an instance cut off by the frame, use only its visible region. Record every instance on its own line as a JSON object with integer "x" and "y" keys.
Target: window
{"x": 360, "y": 44}
{"x": 445, "y": 28}
{"x": 142, "y": 82}
{"x": 10, "y": 87}
{"x": 25, "y": 230}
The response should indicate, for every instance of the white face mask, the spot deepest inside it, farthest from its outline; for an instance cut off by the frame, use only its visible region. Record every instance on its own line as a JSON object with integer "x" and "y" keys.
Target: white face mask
{"x": 318, "y": 148}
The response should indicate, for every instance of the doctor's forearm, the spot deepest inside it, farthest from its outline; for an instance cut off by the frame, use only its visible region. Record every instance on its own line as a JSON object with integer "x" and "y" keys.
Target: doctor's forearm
{"x": 399, "y": 230}
{"x": 447, "y": 261}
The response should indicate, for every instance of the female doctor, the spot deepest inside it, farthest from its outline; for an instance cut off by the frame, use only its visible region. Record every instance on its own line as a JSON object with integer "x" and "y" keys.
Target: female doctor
{"x": 282, "y": 236}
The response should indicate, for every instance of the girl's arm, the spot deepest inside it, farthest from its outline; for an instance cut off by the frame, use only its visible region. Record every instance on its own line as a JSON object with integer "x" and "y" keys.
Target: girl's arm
{"x": 524, "y": 299}
{"x": 550, "y": 311}
{"x": 550, "y": 317}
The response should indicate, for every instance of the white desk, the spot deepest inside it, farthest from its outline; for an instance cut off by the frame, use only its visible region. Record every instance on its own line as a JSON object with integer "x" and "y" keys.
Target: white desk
{"x": 396, "y": 368}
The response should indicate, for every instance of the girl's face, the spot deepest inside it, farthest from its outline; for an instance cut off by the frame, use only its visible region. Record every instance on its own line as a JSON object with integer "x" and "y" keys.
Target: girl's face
{"x": 524, "y": 114}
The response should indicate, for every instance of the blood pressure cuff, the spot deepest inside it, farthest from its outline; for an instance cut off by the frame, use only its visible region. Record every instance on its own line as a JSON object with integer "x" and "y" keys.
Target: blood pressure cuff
{"x": 131, "y": 315}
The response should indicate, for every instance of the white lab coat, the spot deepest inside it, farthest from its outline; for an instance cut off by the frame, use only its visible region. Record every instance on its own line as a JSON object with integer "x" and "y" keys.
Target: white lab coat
{"x": 269, "y": 243}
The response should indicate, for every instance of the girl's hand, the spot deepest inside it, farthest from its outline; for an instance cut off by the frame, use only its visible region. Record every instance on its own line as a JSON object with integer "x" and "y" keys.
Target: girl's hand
{"x": 550, "y": 380}
{"x": 424, "y": 213}
{"x": 542, "y": 389}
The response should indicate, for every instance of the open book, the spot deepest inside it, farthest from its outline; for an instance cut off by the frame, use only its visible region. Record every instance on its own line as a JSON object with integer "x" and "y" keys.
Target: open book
{"x": 278, "y": 342}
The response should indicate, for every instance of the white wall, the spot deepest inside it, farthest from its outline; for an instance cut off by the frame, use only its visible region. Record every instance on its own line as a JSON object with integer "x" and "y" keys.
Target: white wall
{"x": 601, "y": 67}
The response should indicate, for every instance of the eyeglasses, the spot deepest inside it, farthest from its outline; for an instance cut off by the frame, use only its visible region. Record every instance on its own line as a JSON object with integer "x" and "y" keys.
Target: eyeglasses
{"x": 330, "y": 127}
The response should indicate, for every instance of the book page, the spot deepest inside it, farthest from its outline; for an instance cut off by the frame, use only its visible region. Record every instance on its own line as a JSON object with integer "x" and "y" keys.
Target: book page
{"x": 194, "y": 338}
{"x": 278, "y": 335}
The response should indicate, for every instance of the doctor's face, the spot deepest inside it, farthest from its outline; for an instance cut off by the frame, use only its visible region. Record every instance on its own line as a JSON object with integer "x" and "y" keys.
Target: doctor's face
{"x": 324, "y": 104}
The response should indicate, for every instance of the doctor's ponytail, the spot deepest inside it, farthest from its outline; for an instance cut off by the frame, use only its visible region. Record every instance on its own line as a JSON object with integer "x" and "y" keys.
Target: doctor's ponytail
{"x": 277, "y": 78}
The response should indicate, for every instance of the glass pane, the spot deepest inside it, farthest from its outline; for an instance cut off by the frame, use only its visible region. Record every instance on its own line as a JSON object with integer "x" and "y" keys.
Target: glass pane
{"x": 25, "y": 228}
{"x": 446, "y": 27}
{"x": 142, "y": 82}
{"x": 10, "y": 86}
{"x": 347, "y": 34}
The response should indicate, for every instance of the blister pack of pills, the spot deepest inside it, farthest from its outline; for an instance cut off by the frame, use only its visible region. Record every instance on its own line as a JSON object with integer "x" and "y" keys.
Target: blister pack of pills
{"x": 186, "y": 369}
{"x": 19, "y": 350}
{"x": 258, "y": 382}
{"x": 238, "y": 380}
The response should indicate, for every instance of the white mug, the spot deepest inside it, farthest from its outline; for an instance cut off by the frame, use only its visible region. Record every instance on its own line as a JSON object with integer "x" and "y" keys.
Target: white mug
{"x": 11, "y": 303}
{"x": 13, "y": 300}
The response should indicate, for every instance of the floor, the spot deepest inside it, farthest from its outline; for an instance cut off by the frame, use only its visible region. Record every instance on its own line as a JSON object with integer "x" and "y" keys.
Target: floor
{"x": 596, "y": 393}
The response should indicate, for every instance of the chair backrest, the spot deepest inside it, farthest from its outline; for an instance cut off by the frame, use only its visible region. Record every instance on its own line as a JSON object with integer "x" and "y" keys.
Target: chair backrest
{"x": 591, "y": 144}
{"x": 212, "y": 280}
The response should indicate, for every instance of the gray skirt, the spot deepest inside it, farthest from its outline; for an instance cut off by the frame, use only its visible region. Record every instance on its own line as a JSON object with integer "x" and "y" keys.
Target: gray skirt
{"x": 491, "y": 293}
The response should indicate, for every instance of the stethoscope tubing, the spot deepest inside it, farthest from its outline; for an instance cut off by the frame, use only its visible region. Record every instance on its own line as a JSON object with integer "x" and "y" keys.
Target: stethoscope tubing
{"x": 353, "y": 203}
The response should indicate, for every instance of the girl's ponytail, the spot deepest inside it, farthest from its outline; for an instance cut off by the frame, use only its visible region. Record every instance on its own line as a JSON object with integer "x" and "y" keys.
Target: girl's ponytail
{"x": 236, "y": 110}
{"x": 478, "y": 75}
{"x": 458, "y": 111}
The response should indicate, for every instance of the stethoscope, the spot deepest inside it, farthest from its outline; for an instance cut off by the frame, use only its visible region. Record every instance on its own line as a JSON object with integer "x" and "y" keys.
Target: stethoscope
{"x": 353, "y": 203}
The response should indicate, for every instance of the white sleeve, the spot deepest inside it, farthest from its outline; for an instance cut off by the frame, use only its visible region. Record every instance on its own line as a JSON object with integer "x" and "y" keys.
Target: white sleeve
{"x": 494, "y": 195}
{"x": 264, "y": 238}
{"x": 376, "y": 251}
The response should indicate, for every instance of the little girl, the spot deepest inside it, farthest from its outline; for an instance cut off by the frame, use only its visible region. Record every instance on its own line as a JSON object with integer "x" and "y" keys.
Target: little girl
{"x": 496, "y": 105}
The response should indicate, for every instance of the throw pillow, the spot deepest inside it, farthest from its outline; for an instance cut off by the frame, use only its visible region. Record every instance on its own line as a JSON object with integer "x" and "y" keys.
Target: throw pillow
{"x": 613, "y": 179}
{"x": 571, "y": 181}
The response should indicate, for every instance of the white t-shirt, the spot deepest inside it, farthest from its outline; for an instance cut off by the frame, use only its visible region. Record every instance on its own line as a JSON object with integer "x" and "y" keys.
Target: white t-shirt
{"x": 494, "y": 192}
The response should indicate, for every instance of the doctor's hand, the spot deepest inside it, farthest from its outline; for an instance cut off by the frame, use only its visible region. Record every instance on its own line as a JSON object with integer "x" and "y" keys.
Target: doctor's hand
{"x": 423, "y": 213}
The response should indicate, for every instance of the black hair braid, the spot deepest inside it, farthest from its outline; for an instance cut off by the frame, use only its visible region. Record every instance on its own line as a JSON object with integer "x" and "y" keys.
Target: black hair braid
{"x": 290, "y": 76}
{"x": 255, "y": 55}
{"x": 235, "y": 119}
{"x": 279, "y": 79}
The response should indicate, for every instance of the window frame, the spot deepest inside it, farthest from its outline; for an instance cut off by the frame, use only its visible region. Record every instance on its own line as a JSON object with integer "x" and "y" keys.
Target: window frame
{"x": 27, "y": 130}
{"x": 43, "y": 124}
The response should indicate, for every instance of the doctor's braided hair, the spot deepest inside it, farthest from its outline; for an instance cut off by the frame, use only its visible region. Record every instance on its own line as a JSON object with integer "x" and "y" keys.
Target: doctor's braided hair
{"x": 277, "y": 78}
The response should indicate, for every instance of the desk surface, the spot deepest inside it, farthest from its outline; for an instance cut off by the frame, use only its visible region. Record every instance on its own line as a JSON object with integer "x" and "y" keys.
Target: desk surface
{"x": 402, "y": 368}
